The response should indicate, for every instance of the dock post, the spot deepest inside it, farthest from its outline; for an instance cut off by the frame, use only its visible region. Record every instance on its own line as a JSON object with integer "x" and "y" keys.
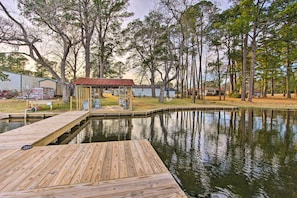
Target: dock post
{"x": 70, "y": 103}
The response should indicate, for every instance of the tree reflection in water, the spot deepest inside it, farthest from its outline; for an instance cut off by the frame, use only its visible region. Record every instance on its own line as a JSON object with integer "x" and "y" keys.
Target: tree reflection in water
{"x": 245, "y": 153}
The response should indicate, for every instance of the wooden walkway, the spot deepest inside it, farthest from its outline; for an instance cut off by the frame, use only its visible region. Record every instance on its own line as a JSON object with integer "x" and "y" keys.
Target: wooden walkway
{"x": 42, "y": 132}
{"x": 109, "y": 169}
{"x": 112, "y": 111}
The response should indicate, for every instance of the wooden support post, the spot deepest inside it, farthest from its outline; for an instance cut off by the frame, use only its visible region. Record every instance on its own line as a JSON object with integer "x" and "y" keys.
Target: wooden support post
{"x": 77, "y": 96}
{"x": 130, "y": 98}
{"x": 70, "y": 103}
{"x": 90, "y": 98}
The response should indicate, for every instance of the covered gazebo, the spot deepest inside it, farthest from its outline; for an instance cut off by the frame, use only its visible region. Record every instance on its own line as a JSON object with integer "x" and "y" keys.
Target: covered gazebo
{"x": 87, "y": 91}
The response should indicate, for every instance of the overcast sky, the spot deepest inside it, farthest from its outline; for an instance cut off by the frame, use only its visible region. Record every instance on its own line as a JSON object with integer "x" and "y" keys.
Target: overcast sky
{"x": 142, "y": 7}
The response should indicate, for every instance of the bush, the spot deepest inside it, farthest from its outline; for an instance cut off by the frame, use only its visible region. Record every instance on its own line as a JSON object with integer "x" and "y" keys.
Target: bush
{"x": 235, "y": 95}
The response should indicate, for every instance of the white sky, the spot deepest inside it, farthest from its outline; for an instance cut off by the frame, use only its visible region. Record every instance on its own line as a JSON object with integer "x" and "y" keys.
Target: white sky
{"x": 140, "y": 7}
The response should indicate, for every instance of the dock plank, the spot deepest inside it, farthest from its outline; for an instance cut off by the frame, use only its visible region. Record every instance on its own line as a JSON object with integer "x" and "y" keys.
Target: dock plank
{"x": 129, "y": 160}
{"x": 88, "y": 172}
{"x": 42, "y": 132}
{"x": 16, "y": 167}
{"x": 72, "y": 153}
{"x": 109, "y": 169}
{"x": 161, "y": 185}
{"x": 155, "y": 162}
{"x": 115, "y": 161}
{"x": 70, "y": 161}
{"x": 38, "y": 167}
{"x": 139, "y": 166}
{"x": 34, "y": 179}
{"x": 122, "y": 161}
{"x": 97, "y": 175}
{"x": 143, "y": 158}
{"x": 106, "y": 168}
{"x": 86, "y": 157}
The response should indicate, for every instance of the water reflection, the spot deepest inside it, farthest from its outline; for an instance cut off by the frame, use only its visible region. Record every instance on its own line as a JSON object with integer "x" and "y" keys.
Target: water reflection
{"x": 9, "y": 124}
{"x": 243, "y": 153}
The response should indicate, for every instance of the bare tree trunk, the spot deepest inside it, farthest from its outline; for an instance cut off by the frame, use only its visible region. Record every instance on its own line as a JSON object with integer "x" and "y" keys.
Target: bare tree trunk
{"x": 232, "y": 80}
{"x": 177, "y": 80}
{"x": 219, "y": 72}
{"x": 66, "y": 90}
{"x": 253, "y": 62}
{"x": 87, "y": 23}
{"x": 199, "y": 84}
{"x": 193, "y": 72}
{"x": 272, "y": 86}
{"x": 265, "y": 88}
{"x": 162, "y": 91}
{"x": 152, "y": 80}
{"x": 229, "y": 69}
{"x": 188, "y": 76}
{"x": 87, "y": 57}
{"x": 289, "y": 71}
{"x": 244, "y": 64}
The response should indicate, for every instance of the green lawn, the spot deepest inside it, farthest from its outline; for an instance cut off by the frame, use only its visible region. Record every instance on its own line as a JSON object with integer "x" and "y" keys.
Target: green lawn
{"x": 148, "y": 103}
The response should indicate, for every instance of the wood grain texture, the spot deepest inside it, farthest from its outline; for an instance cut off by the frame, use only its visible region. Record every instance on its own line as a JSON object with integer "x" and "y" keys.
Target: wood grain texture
{"x": 159, "y": 185}
{"x": 42, "y": 132}
{"x": 109, "y": 169}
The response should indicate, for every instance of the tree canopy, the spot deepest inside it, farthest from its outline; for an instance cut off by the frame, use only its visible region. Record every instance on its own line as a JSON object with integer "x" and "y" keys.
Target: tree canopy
{"x": 247, "y": 48}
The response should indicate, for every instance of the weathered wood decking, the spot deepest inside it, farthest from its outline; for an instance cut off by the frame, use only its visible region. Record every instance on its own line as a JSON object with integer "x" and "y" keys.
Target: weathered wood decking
{"x": 109, "y": 169}
{"x": 42, "y": 132}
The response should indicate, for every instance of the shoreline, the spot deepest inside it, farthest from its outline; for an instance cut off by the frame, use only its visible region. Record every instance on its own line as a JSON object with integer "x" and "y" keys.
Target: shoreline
{"x": 116, "y": 112}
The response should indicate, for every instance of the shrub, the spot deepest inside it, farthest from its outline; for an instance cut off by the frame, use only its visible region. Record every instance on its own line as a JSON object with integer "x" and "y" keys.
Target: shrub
{"x": 235, "y": 95}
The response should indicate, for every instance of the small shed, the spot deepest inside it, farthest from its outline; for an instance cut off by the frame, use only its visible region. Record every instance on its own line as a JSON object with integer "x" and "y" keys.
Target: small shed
{"x": 86, "y": 90}
{"x": 51, "y": 83}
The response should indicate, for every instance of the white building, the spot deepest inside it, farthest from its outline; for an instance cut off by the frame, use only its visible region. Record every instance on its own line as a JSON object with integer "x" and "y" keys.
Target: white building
{"x": 146, "y": 91}
{"x": 24, "y": 84}
{"x": 19, "y": 82}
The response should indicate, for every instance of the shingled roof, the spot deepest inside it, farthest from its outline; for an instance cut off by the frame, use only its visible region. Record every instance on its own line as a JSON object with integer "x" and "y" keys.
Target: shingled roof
{"x": 104, "y": 82}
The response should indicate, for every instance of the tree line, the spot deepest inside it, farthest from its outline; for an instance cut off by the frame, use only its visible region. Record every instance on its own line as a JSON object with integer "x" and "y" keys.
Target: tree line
{"x": 249, "y": 47}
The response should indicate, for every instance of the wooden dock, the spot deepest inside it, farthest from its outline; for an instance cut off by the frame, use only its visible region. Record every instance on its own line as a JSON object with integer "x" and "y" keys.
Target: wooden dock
{"x": 116, "y": 111}
{"x": 108, "y": 169}
{"x": 43, "y": 132}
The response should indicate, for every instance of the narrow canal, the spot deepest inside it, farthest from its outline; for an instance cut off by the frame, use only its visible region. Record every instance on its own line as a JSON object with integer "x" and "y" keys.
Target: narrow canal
{"x": 242, "y": 153}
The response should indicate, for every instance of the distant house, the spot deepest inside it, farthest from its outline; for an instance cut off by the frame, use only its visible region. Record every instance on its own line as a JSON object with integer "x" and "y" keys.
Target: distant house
{"x": 146, "y": 90}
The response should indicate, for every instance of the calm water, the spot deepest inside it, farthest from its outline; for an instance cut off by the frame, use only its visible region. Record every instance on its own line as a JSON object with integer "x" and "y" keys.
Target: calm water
{"x": 215, "y": 153}
{"x": 241, "y": 153}
{"x": 9, "y": 124}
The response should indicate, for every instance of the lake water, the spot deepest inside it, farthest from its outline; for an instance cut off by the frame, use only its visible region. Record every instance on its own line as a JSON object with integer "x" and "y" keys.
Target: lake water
{"x": 243, "y": 153}
{"x": 9, "y": 124}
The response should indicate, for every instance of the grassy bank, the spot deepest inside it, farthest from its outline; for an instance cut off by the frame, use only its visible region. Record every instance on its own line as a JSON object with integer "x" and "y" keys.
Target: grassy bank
{"x": 274, "y": 102}
{"x": 147, "y": 103}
